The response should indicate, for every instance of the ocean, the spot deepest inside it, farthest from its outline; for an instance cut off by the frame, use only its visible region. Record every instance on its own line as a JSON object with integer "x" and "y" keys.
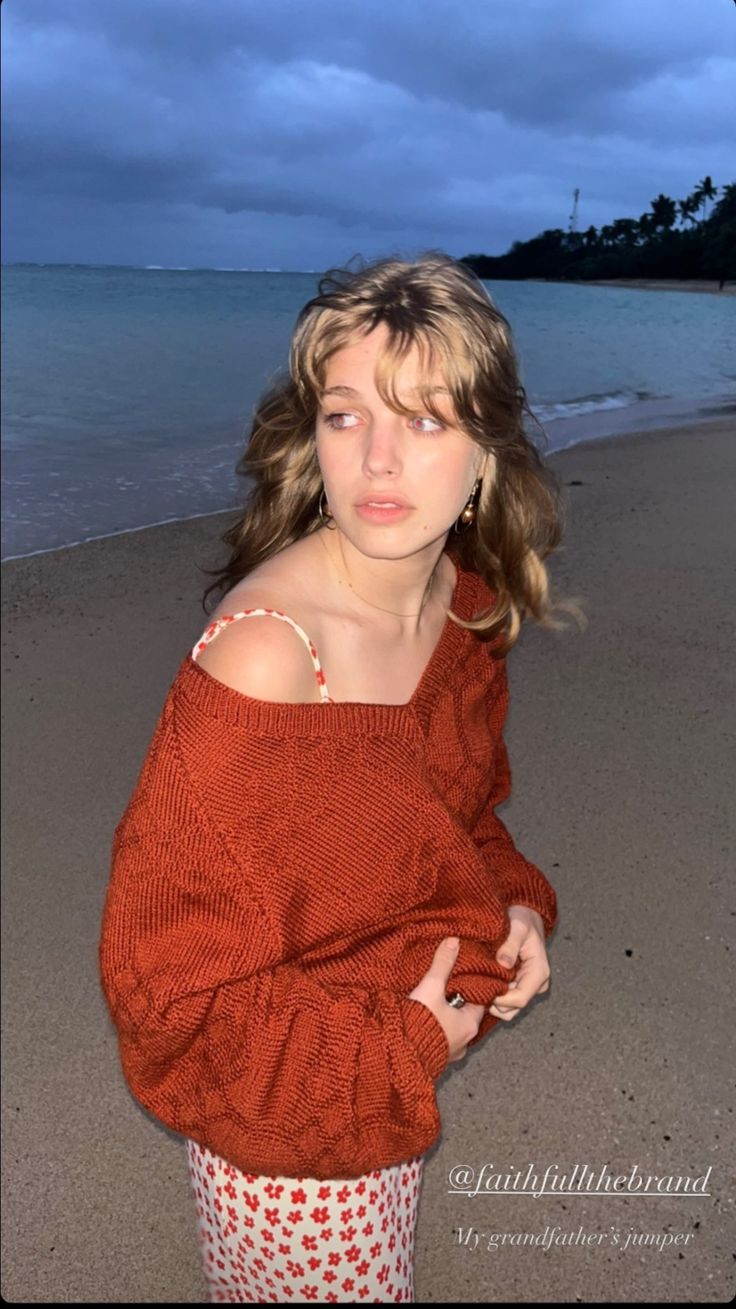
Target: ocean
{"x": 127, "y": 392}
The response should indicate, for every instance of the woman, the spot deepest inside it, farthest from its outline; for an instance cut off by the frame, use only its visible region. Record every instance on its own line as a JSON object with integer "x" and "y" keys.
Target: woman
{"x": 313, "y": 907}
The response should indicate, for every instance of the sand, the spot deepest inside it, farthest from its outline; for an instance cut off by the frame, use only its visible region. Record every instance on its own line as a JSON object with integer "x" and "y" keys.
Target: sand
{"x": 621, "y": 743}
{"x": 660, "y": 284}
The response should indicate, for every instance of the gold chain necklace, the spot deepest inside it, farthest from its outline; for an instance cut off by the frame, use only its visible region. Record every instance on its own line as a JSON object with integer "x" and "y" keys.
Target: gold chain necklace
{"x": 427, "y": 592}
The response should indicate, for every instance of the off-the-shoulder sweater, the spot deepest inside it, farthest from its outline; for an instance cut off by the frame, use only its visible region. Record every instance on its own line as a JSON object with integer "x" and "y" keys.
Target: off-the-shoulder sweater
{"x": 280, "y": 879}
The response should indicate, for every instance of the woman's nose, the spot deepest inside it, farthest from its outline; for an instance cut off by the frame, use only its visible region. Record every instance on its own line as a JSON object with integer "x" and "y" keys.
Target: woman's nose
{"x": 383, "y": 445}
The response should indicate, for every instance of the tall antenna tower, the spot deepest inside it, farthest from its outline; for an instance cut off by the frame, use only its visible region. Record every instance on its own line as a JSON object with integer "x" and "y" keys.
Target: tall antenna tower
{"x": 574, "y": 215}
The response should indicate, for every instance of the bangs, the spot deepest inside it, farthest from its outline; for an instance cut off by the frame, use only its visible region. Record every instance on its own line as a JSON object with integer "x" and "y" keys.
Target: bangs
{"x": 447, "y": 372}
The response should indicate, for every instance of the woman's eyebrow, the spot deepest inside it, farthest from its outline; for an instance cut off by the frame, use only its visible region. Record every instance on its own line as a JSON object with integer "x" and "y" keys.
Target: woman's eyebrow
{"x": 414, "y": 390}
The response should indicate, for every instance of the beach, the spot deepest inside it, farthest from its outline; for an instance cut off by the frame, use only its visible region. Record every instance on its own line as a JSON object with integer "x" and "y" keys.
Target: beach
{"x": 621, "y": 745}
{"x": 700, "y": 286}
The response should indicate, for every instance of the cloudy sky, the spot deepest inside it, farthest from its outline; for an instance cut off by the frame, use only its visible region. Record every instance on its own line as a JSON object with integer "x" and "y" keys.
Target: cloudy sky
{"x": 287, "y": 134}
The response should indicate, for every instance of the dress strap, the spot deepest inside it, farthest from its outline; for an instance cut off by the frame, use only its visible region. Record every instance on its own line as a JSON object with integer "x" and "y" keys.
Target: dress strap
{"x": 217, "y": 626}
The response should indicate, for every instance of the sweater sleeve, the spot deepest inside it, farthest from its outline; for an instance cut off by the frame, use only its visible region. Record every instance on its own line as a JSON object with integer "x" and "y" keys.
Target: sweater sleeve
{"x": 521, "y": 881}
{"x": 227, "y": 1038}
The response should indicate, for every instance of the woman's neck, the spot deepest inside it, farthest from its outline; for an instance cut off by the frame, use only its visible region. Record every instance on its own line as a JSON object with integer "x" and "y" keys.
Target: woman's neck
{"x": 400, "y": 596}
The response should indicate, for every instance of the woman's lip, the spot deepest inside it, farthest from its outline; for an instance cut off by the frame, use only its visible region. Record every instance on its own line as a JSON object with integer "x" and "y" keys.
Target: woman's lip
{"x": 398, "y": 504}
{"x": 382, "y": 513}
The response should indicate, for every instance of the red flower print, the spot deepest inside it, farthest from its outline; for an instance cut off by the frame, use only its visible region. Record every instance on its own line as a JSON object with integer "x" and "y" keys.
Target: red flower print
{"x": 299, "y": 1196}
{"x": 326, "y": 1234}
{"x": 329, "y": 1276}
{"x": 373, "y": 1196}
{"x": 309, "y": 1242}
{"x": 382, "y": 1274}
{"x": 252, "y": 1201}
{"x": 309, "y": 1292}
{"x": 346, "y": 1215}
{"x": 331, "y": 1297}
{"x": 360, "y": 1188}
{"x": 348, "y": 1234}
{"x": 361, "y": 1211}
{"x": 348, "y": 1284}
{"x": 352, "y": 1253}
{"x": 284, "y": 1249}
{"x": 295, "y": 1269}
{"x": 320, "y": 1216}
{"x": 271, "y": 1216}
{"x": 314, "y": 1262}
{"x": 362, "y": 1267}
{"x": 362, "y": 1292}
{"x": 375, "y": 1250}
{"x": 343, "y": 1194}
{"x": 273, "y": 1190}
{"x": 334, "y": 1258}
{"x": 295, "y": 1216}
{"x": 324, "y": 1192}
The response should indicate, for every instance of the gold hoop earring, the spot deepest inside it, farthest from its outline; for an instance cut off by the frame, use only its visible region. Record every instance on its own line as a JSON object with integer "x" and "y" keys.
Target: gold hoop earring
{"x": 325, "y": 515}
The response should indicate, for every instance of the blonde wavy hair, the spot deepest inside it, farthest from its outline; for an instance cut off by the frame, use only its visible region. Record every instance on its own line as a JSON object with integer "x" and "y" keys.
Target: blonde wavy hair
{"x": 439, "y": 305}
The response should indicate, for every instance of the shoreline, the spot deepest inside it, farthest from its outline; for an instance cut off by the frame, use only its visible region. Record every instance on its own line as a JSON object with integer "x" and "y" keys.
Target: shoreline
{"x": 615, "y": 419}
{"x": 127, "y": 554}
{"x": 698, "y": 286}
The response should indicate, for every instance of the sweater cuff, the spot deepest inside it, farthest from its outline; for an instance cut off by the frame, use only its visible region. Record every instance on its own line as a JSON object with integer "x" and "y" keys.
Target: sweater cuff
{"x": 427, "y": 1036}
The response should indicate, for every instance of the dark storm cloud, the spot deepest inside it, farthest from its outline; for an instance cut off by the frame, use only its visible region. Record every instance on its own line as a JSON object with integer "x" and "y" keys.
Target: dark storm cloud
{"x": 441, "y": 120}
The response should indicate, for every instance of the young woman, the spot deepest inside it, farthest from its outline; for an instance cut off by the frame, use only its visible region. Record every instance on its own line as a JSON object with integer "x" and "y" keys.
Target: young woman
{"x": 313, "y": 906}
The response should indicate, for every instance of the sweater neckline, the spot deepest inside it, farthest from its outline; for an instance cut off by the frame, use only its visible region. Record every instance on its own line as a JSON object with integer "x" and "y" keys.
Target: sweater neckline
{"x": 313, "y": 716}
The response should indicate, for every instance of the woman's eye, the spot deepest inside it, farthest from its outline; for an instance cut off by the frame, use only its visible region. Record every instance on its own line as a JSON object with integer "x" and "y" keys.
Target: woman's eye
{"x": 334, "y": 421}
{"x": 436, "y": 426}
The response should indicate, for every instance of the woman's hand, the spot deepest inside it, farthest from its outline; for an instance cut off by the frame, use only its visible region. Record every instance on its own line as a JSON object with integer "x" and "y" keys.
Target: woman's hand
{"x": 525, "y": 940}
{"x": 459, "y": 1025}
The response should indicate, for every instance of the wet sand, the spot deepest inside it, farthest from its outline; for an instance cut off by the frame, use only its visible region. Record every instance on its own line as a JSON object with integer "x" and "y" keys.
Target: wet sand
{"x": 621, "y": 744}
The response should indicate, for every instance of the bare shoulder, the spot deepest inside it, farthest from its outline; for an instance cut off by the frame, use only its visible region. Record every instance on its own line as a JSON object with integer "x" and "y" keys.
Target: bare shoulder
{"x": 261, "y": 655}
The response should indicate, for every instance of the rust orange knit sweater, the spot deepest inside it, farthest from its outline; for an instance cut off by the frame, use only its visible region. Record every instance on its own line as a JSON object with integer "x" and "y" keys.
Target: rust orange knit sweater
{"x": 281, "y": 877}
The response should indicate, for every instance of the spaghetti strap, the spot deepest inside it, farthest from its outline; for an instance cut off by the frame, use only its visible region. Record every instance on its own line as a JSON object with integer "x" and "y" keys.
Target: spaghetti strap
{"x": 217, "y": 626}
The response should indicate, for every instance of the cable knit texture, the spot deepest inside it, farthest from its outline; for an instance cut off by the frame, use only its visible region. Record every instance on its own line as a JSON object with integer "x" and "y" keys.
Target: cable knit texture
{"x": 281, "y": 877}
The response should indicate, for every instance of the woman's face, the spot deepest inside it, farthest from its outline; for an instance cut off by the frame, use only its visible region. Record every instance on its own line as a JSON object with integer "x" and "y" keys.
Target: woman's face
{"x": 367, "y": 451}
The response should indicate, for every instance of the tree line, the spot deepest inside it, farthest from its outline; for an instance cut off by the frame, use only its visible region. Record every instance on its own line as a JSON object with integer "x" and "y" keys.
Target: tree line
{"x": 673, "y": 239}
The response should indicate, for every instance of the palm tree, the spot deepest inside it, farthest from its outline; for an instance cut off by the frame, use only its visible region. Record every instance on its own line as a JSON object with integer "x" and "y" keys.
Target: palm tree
{"x": 705, "y": 191}
{"x": 688, "y": 208}
{"x": 663, "y": 212}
